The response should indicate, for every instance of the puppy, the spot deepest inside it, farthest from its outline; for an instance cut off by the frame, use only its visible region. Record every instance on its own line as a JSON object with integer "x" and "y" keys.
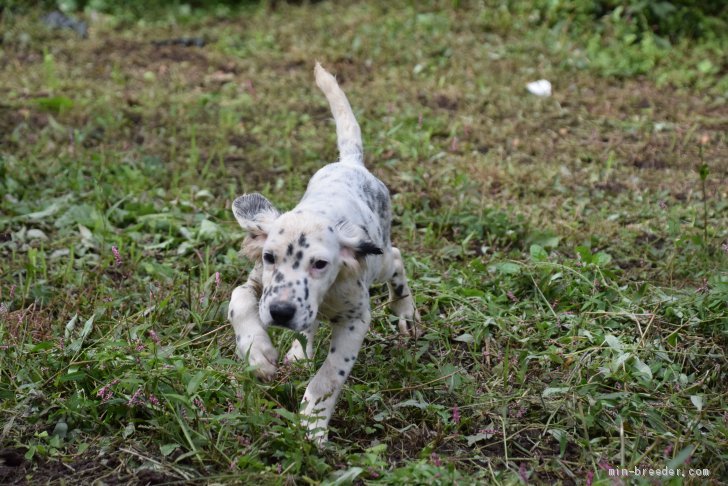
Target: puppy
{"x": 318, "y": 262}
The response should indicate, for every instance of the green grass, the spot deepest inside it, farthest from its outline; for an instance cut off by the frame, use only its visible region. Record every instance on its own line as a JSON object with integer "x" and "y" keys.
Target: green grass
{"x": 568, "y": 256}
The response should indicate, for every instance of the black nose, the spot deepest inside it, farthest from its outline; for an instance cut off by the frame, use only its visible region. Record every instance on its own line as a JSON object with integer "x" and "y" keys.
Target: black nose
{"x": 282, "y": 312}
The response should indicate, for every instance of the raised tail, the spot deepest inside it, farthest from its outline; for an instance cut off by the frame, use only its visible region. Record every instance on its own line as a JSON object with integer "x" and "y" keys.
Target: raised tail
{"x": 348, "y": 134}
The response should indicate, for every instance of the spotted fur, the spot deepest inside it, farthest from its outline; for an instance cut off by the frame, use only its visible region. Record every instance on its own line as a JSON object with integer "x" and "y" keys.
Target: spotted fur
{"x": 317, "y": 262}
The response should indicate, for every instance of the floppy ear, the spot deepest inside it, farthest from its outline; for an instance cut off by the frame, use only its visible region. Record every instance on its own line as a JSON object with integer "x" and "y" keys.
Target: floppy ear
{"x": 355, "y": 246}
{"x": 254, "y": 214}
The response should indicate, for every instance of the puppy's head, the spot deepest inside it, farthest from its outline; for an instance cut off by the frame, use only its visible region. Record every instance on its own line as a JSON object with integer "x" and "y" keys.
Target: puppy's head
{"x": 302, "y": 255}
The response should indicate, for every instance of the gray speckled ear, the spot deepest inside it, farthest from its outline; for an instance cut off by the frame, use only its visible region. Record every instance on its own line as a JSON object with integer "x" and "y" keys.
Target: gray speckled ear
{"x": 254, "y": 212}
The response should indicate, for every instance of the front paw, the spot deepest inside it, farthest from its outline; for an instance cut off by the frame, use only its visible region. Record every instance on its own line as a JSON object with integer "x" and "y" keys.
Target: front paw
{"x": 317, "y": 437}
{"x": 263, "y": 357}
{"x": 296, "y": 353}
{"x": 317, "y": 431}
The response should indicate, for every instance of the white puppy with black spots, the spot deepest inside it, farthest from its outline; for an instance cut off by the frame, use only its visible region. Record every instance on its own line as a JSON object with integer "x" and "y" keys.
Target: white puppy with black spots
{"x": 318, "y": 262}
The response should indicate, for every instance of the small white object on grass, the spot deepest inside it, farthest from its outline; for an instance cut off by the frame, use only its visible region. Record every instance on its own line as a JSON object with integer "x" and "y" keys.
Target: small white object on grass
{"x": 542, "y": 87}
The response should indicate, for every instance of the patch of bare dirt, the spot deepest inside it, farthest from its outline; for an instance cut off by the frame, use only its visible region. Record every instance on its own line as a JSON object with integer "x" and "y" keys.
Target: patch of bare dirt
{"x": 348, "y": 68}
{"x": 145, "y": 54}
{"x": 292, "y": 66}
{"x": 239, "y": 166}
{"x": 27, "y": 119}
{"x": 441, "y": 101}
{"x": 83, "y": 469}
{"x": 652, "y": 137}
{"x": 33, "y": 320}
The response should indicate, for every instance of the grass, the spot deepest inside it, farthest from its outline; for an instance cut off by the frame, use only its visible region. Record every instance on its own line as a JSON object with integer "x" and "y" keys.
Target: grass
{"x": 569, "y": 255}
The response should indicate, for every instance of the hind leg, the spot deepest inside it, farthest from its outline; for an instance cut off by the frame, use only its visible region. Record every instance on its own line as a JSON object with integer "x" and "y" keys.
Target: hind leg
{"x": 401, "y": 301}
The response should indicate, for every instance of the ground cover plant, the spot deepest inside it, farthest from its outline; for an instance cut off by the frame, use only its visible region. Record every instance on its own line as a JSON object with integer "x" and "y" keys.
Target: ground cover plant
{"x": 569, "y": 254}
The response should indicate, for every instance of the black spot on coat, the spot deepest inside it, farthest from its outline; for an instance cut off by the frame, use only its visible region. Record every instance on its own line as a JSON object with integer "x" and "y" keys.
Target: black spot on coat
{"x": 367, "y": 248}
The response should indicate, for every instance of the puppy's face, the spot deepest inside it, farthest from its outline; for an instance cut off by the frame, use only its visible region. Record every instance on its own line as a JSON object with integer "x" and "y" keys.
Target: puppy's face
{"x": 301, "y": 259}
{"x": 302, "y": 255}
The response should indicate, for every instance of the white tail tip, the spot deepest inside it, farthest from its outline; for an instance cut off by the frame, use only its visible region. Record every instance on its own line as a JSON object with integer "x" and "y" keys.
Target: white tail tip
{"x": 348, "y": 133}
{"x": 324, "y": 79}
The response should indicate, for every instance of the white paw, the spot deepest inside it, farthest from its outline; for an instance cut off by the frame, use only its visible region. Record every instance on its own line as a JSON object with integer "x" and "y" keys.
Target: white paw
{"x": 263, "y": 356}
{"x": 316, "y": 430}
{"x": 296, "y": 353}
{"x": 315, "y": 415}
{"x": 318, "y": 437}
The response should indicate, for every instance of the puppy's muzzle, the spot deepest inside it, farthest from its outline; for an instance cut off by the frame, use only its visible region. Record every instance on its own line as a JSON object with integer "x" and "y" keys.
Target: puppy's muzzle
{"x": 282, "y": 312}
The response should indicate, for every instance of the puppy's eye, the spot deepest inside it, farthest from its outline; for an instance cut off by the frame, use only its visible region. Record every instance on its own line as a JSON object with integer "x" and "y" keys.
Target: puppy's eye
{"x": 269, "y": 258}
{"x": 320, "y": 264}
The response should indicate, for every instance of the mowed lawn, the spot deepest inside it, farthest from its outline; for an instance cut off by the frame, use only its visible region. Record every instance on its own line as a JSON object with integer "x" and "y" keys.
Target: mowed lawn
{"x": 569, "y": 254}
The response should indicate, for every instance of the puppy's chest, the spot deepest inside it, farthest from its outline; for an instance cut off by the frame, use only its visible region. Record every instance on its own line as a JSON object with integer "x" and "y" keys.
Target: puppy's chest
{"x": 345, "y": 302}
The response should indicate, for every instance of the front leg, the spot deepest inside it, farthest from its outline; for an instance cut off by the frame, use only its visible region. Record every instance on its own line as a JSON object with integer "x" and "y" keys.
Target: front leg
{"x": 251, "y": 338}
{"x": 319, "y": 400}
